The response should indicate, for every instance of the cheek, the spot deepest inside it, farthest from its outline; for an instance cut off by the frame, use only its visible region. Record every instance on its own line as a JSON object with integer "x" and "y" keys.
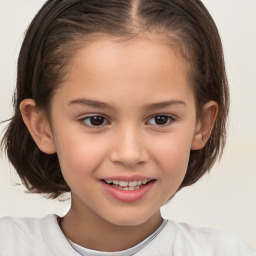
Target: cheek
{"x": 172, "y": 159}
{"x": 172, "y": 155}
{"x": 79, "y": 156}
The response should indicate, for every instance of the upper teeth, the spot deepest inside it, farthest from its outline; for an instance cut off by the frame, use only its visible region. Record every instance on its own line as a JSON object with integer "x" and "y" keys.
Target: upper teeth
{"x": 123, "y": 183}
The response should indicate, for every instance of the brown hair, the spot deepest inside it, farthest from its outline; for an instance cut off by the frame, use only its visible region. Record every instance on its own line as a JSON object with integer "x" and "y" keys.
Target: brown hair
{"x": 52, "y": 39}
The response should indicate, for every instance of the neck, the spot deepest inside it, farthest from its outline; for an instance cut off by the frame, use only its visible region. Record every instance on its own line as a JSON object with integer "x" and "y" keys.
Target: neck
{"x": 84, "y": 227}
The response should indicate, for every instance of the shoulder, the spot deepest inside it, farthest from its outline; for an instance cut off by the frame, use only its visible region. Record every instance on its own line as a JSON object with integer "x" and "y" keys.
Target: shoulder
{"x": 25, "y": 226}
{"x": 210, "y": 241}
{"x": 33, "y": 236}
{"x": 13, "y": 223}
{"x": 23, "y": 234}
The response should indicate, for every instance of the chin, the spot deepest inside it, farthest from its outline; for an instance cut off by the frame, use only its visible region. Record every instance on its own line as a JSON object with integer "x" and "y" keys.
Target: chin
{"x": 128, "y": 222}
{"x": 129, "y": 219}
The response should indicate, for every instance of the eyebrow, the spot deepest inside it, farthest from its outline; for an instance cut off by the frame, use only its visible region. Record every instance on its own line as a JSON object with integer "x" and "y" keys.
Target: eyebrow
{"x": 164, "y": 104}
{"x": 91, "y": 103}
{"x": 103, "y": 105}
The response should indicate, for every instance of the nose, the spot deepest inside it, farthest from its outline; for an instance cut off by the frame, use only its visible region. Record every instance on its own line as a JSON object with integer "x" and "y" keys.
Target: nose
{"x": 128, "y": 148}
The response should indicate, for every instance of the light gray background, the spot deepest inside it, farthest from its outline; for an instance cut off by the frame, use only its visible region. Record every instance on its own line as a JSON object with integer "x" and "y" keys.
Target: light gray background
{"x": 225, "y": 198}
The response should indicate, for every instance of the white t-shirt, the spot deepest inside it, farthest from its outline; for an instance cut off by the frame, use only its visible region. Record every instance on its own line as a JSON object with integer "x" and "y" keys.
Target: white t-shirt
{"x": 43, "y": 237}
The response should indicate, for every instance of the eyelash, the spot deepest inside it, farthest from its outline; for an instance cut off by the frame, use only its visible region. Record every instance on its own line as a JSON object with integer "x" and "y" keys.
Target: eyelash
{"x": 83, "y": 121}
{"x": 171, "y": 120}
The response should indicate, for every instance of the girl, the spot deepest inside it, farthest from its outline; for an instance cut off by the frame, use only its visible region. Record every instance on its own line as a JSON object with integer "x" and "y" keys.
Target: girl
{"x": 121, "y": 103}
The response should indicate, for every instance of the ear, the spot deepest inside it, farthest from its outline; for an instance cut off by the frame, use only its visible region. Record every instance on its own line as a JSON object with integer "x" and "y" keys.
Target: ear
{"x": 38, "y": 126}
{"x": 204, "y": 125}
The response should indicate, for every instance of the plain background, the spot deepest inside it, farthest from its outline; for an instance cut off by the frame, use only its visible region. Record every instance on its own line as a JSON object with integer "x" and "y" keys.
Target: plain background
{"x": 225, "y": 198}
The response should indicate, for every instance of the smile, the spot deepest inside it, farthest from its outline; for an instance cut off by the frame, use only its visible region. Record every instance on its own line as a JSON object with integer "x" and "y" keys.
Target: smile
{"x": 127, "y": 185}
{"x": 127, "y": 191}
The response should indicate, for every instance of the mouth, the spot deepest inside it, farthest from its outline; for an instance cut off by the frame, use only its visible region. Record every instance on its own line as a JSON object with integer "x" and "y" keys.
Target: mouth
{"x": 128, "y": 189}
{"x": 128, "y": 185}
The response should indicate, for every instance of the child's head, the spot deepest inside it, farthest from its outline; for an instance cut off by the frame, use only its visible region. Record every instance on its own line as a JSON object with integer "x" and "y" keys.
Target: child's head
{"x": 63, "y": 28}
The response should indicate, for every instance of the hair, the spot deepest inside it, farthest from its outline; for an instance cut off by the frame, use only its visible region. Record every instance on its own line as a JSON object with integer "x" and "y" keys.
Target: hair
{"x": 61, "y": 27}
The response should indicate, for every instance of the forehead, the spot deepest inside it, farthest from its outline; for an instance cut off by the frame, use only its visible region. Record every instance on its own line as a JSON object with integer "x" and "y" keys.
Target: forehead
{"x": 144, "y": 66}
{"x": 107, "y": 53}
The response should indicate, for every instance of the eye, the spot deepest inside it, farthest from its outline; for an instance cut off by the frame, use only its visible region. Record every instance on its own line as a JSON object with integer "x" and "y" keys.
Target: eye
{"x": 161, "y": 120}
{"x": 94, "y": 121}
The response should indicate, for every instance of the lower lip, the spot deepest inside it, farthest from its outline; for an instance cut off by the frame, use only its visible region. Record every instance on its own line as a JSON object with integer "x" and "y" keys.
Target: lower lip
{"x": 127, "y": 195}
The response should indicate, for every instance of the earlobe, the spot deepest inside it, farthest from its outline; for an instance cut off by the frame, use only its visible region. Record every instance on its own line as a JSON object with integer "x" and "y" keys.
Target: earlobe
{"x": 204, "y": 125}
{"x": 38, "y": 126}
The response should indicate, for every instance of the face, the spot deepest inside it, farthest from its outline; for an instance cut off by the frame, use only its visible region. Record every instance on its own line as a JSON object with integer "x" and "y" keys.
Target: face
{"x": 123, "y": 125}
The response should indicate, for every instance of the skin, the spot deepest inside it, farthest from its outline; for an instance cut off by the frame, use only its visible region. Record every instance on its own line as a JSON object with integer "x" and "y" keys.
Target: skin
{"x": 130, "y": 77}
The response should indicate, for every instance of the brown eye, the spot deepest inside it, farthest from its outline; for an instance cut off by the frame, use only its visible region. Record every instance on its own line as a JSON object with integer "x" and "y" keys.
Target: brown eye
{"x": 94, "y": 121}
{"x": 161, "y": 120}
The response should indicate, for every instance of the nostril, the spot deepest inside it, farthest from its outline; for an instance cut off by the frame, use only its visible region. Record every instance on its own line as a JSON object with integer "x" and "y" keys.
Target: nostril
{"x": 128, "y": 153}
